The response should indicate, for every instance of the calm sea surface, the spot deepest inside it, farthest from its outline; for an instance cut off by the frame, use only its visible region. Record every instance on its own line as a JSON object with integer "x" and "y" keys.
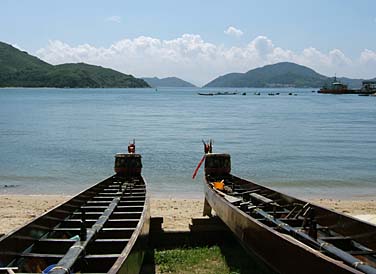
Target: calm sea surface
{"x": 60, "y": 141}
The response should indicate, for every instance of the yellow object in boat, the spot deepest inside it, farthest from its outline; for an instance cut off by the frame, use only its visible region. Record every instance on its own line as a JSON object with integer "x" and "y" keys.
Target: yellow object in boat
{"x": 219, "y": 185}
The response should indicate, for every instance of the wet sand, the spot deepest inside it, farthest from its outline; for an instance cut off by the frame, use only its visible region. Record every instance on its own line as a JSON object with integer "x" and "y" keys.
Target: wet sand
{"x": 17, "y": 210}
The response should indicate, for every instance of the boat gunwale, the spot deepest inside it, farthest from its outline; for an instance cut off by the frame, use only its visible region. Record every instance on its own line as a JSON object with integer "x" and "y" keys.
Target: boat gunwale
{"x": 135, "y": 235}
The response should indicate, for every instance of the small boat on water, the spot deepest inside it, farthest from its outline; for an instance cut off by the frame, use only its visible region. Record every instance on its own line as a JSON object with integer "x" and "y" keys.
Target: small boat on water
{"x": 206, "y": 94}
{"x": 288, "y": 234}
{"x": 226, "y": 93}
{"x": 103, "y": 229}
{"x": 218, "y": 93}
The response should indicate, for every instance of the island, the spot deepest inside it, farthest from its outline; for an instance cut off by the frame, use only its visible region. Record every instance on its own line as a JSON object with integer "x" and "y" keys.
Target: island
{"x": 19, "y": 69}
{"x": 283, "y": 74}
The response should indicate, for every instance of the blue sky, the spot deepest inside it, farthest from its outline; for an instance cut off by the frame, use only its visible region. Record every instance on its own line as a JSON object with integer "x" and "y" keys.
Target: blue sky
{"x": 176, "y": 37}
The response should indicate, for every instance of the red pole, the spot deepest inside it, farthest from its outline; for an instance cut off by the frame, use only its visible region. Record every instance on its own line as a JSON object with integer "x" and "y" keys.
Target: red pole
{"x": 198, "y": 167}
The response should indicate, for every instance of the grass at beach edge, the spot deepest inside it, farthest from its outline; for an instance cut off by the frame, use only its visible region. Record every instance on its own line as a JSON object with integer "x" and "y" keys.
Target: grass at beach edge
{"x": 218, "y": 259}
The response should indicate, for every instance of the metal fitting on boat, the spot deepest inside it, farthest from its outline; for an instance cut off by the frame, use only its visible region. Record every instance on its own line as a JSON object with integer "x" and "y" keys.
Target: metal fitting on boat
{"x": 356, "y": 264}
{"x": 66, "y": 270}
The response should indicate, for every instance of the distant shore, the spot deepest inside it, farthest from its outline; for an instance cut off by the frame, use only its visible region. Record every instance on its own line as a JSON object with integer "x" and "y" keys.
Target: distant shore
{"x": 17, "y": 210}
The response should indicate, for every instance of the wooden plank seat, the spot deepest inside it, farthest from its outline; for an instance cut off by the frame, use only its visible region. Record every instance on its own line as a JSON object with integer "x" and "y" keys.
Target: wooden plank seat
{"x": 94, "y": 208}
{"x": 56, "y": 240}
{"x": 101, "y": 198}
{"x": 109, "y": 240}
{"x": 66, "y": 229}
{"x": 96, "y": 202}
{"x": 32, "y": 255}
{"x": 110, "y": 193}
{"x": 102, "y": 256}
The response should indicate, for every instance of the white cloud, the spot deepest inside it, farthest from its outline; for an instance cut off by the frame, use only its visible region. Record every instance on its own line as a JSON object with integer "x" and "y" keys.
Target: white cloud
{"x": 198, "y": 61}
{"x": 233, "y": 31}
{"x": 368, "y": 56}
{"x": 114, "y": 18}
{"x": 262, "y": 45}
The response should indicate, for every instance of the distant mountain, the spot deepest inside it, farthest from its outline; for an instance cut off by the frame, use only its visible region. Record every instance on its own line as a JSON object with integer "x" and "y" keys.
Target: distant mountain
{"x": 277, "y": 75}
{"x": 167, "y": 82}
{"x": 19, "y": 69}
{"x": 283, "y": 74}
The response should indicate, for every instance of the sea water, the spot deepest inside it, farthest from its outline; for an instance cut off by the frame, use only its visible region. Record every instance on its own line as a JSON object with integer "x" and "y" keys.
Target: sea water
{"x": 61, "y": 141}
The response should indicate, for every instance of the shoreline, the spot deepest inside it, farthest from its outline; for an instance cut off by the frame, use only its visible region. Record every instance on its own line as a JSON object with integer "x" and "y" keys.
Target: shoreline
{"x": 17, "y": 210}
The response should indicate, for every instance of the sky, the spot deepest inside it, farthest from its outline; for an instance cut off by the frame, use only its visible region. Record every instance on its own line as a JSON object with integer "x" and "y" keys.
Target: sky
{"x": 196, "y": 40}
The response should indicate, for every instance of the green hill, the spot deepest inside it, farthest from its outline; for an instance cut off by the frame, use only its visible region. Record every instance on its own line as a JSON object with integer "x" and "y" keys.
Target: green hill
{"x": 19, "y": 69}
{"x": 13, "y": 60}
{"x": 276, "y": 75}
{"x": 167, "y": 82}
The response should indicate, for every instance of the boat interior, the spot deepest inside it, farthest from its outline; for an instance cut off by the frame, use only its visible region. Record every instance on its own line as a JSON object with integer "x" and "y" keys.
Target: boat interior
{"x": 87, "y": 233}
{"x": 336, "y": 235}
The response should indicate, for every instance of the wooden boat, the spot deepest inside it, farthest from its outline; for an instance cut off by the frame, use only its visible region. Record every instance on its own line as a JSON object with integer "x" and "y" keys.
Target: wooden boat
{"x": 288, "y": 234}
{"x": 206, "y": 94}
{"x": 103, "y": 229}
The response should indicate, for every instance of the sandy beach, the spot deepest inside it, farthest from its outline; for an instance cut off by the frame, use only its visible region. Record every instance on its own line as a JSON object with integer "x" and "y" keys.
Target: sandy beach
{"x": 16, "y": 210}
